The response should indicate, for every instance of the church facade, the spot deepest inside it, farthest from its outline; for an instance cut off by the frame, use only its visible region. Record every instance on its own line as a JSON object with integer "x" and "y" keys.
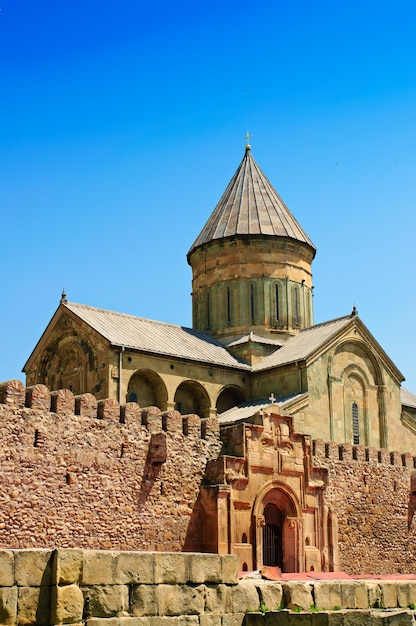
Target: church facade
{"x": 290, "y": 396}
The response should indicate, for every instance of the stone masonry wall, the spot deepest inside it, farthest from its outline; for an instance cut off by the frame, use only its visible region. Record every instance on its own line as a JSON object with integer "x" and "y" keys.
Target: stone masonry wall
{"x": 372, "y": 498}
{"x": 75, "y": 472}
{"x": 111, "y": 588}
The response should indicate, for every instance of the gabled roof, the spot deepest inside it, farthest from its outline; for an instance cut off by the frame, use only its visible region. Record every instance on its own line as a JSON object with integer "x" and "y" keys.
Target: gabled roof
{"x": 252, "y": 337}
{"x": 310, "y": 341}
{"x": 250, "y": 206}
{"x": 407, "y": 398}
{"x": 304, "y": 344}
{"x": 145, "y": 335}
{"x": 248, "y": 409}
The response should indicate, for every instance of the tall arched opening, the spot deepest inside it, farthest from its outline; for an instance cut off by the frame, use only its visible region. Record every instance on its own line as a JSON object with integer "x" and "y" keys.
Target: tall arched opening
{"x": 191, "y": 397}
{"x": 278, "y": 529}
{"x": 147, "y": 389}
{"x": 229, "y": 397}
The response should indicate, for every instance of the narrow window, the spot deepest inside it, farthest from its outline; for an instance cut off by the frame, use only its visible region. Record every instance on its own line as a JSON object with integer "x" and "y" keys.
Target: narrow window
{"x": 355, "y": 424}
{"x": 276, "y": 302}
{"x": 228, "y": 305}
{"x": 296, "y": 306}
{"x": 252, "y": 302}
{"x": 208, "y": 312}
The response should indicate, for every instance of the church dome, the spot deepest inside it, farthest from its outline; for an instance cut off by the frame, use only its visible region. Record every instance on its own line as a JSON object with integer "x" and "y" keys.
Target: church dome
{"x": 251, "y": 263}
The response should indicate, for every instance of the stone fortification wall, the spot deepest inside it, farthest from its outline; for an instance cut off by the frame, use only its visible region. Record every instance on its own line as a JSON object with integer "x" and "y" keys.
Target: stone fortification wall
{"x": 109, "y": 588}
{"x": 371, "y": 498}
{"x": 75, "y": 472}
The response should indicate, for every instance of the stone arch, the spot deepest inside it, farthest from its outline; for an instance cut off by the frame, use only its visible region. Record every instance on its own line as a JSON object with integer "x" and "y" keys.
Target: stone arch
{"x": 230, "y": 396}
{"x": 68, "y": 367}
{"x": 356, "y": 422}
{"x": 354, "y": 360}
{"x": 148, "y": 389}
{"x": 278, "y": 528}
{"x": 191, "y": 397}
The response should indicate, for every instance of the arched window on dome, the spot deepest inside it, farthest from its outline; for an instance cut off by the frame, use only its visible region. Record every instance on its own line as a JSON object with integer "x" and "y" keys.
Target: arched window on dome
{"x": 208, "y": 312}
{"x": 277, "y": 302}
{"x": 252, "y": 307}
{"x": 355, "y": 424}
{"x": 296, "y": 309}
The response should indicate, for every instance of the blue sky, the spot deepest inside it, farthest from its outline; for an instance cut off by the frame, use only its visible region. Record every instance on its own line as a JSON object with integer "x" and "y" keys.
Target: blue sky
{"x": 122, "y": 123}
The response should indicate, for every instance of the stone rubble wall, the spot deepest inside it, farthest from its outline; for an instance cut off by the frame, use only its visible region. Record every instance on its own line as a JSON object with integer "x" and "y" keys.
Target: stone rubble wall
{"x": 77, "y": 472}
{"x": 111, "y": 588}
{"x": 371, "y": 496}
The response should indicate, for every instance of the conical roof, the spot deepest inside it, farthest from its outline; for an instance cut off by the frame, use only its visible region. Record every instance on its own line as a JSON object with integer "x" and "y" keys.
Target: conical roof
{"x": 250, "y": 206}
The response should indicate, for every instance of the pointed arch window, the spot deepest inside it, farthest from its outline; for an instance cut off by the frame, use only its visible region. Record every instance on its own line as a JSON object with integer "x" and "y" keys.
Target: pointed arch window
{"x": 276, "y": 302}
{"x": 296, "y": 317}
{"x": 355, "y": 424}
{"x": 208, "y": 312}
{"x": 228, "y": 306}
{"x": 252, "y": 303}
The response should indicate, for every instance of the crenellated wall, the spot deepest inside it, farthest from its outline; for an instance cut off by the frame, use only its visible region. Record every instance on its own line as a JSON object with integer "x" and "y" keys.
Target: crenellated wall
{"x": 75, "y": 472}
{"x": 370, "y": 498}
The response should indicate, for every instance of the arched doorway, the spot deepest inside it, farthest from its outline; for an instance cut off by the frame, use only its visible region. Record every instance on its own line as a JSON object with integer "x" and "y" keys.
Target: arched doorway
{"x": 273, "y": 536}
{"x": 278, "y": 527}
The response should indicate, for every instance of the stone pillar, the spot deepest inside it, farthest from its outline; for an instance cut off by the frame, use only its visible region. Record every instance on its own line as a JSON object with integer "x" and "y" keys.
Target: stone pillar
{"x": 223, "y": 520}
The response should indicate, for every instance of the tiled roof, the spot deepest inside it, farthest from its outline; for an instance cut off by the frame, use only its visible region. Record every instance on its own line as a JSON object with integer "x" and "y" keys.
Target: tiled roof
{"x": 407, "y": 398}
{"x": 304, "y": 344}
{"x": 250, "y": 206}
{"x": 146, "y": 335}
{"x": 248, "y": 409}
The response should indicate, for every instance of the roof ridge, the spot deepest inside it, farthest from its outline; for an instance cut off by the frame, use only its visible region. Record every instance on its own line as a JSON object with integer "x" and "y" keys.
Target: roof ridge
{"x": 335, "y": 319}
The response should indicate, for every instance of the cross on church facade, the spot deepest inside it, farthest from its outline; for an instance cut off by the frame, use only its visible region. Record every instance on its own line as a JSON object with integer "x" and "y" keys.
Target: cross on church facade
{"x": 272, "y": 399}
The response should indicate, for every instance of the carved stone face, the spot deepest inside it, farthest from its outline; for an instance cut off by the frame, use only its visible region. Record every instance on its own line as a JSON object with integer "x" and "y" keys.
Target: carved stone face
{"x": 157, "y": 448}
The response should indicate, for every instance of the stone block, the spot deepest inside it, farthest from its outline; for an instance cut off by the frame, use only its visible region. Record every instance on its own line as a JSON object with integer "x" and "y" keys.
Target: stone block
{"x": 33, "y": 605}
{"x": 245, "y": 597}
{"x": 107, "y": 600}
{"x": 406, "y": 594}
{"x": 8, "y": 606}
{"x": 181, "y": 600}
{"x": 217, "y": 599}
{"x": 374, "y": 594}
{"x": 361, "y": 595}
{"x": 67, "y": 566}
{"x": 388, "y": 595}
{"x": 99, "y": 567}
{"x": 327, "y": 595}
{"x": 297, "y": 595}
{"x": 144, "y": 600}
{"x": 134, "y": 621}
{"x": 67, "y": 604}
{"x": 33, "y": 568}
{"x": 134, "y": 568}
{"x": 229, "y": 565}
{"x": 210, "y": 620}
{"x": 6, "y": 568}
{"x": 204, "y": 568}
{"x": 392, "y": 618}
{"x": 171, "y": 568}
{"x": 357, "y": 618}
{"x": 233, "y": 619}
{"x": 270, "y": 594}
{"x": 299, "y": 619}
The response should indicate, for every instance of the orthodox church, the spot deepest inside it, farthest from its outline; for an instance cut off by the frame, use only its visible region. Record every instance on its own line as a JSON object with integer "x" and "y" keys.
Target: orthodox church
{"x": 255, "y": 361}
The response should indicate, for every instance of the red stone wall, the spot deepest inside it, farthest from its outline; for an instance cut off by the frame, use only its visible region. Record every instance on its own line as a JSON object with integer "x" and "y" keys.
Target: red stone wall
{"x": 372, "y": 498}
{"x": 89, "y": 480}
